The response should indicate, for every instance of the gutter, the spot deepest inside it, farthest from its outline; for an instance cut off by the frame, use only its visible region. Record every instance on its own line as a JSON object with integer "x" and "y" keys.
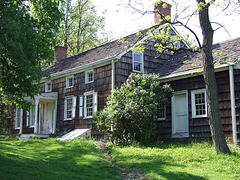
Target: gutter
{"x": 190, "y": 73}
{"x": 81, "y": 68}
{"x": 233, "y": 105}
{"x": 113, "y": 74}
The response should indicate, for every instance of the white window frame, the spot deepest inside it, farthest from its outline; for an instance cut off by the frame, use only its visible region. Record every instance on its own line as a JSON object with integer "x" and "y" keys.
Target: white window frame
{"x": 73, "y": 108}
{"x": 193, "y": 93}
{"x": 162, "y": 118}
{"x": 67, "y": 81}
{"x": 19, "y": 112}
{"x": 141, "y": 63}
{"x": 94, "y": 103}
{"x": 87, "y": 76}
{"x": 47, "y": 89}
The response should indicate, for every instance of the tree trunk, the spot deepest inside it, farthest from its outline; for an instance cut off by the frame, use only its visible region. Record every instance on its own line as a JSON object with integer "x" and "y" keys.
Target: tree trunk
{"x": 210, "y": 81}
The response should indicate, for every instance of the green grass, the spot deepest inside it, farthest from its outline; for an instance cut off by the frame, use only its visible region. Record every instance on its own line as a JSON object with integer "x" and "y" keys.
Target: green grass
{"x": 196, "y": 161}
{"x": 79, "y": 159}
{"x": 52, "y": 159}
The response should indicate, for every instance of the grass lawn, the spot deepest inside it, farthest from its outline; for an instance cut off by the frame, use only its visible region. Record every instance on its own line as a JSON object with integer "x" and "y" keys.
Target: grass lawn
{"x": 196, "y": 161}
{"x": 52, "y": 159}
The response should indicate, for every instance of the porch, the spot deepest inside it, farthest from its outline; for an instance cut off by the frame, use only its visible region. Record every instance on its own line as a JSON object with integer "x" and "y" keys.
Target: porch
{"x": 42, "y": 117}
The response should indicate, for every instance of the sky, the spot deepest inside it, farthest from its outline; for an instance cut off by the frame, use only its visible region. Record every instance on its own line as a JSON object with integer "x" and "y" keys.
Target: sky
{"x": 121, "y": 20}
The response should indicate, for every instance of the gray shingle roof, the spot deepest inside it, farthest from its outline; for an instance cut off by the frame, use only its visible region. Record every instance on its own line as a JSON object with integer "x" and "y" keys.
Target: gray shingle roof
{"x": 181, "y": 63}
{"x": 102, "y": 52}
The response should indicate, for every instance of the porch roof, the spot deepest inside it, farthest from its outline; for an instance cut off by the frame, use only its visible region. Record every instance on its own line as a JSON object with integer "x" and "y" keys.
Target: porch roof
{"x": 47, "y": 96}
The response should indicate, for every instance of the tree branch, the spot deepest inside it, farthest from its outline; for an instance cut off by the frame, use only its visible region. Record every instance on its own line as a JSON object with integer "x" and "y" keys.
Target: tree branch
{"x": 221, "y": 26}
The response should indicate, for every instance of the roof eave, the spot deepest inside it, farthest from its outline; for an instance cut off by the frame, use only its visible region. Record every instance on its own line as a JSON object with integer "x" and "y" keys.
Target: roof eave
{"x": 79, "y": 69}
{"x": 191, "y": 73}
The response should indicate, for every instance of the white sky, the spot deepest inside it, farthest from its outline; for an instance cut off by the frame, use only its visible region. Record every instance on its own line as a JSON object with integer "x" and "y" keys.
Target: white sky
{"x": 121, "y": 21}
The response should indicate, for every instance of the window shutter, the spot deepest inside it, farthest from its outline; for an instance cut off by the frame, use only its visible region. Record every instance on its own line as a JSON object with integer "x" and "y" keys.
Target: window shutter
{"x": 74, "y": 106}
{"x": 95, "y": 102}
{"x": 80, "y": 106}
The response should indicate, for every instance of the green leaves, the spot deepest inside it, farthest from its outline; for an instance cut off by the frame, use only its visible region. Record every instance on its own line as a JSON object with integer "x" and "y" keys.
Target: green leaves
{"x": 79, "y": 28}
{"x": 131, "y": 109}
{"x": 25, "y": 42}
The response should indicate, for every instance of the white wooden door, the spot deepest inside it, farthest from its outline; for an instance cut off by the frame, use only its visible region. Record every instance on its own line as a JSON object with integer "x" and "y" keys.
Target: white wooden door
{"x": 46, "y": 118}
{"x": 180, "y": 115}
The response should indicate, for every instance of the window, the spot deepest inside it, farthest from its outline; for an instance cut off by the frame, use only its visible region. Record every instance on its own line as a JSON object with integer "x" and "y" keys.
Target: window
{"x": 18, "y": 118}
{"x": 161, "y": 112}
{"x": 137, "y": 62}
{"x": 199, "y": 103}
{"x": 32, "y": 116}
{"x": 69, "y": 107}
{"x": 90, "y": 104}
{"x": 89, "y": 76}
{"x": 69, "y": 82}
{"x": 48, "y": 86}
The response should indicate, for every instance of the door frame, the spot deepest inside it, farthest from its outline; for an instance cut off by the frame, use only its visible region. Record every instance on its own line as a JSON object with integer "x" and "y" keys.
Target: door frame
{"x": 179, "y": 135}
{"x": 43, "y": 115}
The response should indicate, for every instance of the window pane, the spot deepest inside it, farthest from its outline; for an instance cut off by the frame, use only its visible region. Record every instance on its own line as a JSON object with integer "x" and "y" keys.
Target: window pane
{"x": 32, "y": 116}
{"x": 137, "y": 57}
{"x": 137, "y": 66}
{"x": 69, "y": 108}
{"x": 200, "y": 104}
{"x": 161, "y": 112}
{"x": 48, "y": 86}
{"x": 89, "y": 105}
{"x": 90, "y": 77}
{"x": 70, "y": 82}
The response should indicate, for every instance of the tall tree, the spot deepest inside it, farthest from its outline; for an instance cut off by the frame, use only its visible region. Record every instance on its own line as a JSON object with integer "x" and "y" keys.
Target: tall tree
{"x": 80, "y": 26}
{"x": 27, "y": 36}
{"x": 205, "y": 48}
{"x": 210, "y": 80}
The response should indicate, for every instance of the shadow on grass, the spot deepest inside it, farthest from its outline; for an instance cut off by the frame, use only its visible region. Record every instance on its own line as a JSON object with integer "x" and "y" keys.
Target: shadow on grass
{"x": 160, "y": 166}
{"x": 51, "y": 159}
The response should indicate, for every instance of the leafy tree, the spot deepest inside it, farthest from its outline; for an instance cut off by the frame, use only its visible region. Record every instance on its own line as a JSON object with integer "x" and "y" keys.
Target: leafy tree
{"x": 167, "y": 43}
{"x": 5, "y": 116}
{"x": 132, "y": 109}
{"x": 27, "y": 35}
{"x": 80, "y": 26}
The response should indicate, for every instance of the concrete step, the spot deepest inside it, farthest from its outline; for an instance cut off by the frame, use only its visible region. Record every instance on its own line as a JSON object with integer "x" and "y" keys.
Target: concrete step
{"x": 30, "y": 136}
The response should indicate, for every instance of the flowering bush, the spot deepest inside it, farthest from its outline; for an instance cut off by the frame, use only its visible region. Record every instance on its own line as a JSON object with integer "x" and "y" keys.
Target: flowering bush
{"x": 132, "y": 108}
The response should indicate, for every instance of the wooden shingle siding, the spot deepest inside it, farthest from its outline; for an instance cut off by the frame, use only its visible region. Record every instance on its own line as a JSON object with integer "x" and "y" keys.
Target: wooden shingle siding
{"x": 199, "y": 127}
{"x": 237, "y": 101}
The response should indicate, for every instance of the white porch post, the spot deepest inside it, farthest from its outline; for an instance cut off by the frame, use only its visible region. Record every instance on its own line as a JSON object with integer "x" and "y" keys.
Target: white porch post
{"x": 55, "y": 117}
{"x": 36, "y": 116}
{"x": 21, "y": 121}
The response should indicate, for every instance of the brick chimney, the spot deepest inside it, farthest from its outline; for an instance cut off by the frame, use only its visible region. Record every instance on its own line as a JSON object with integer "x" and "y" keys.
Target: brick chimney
{"x": 60, "y": 53}
{"x": 162, "y": 7}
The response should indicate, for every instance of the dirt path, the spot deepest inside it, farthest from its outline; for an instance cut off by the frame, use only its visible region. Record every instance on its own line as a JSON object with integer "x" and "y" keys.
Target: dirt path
{"x": 126, "y": 174}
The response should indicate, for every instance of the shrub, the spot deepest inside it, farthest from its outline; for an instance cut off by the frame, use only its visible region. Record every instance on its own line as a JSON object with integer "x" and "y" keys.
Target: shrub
{"x": 131, "y": 109}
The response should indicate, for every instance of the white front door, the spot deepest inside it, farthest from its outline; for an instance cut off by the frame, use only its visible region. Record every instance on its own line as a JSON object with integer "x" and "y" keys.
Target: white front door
{"x": 46, "y": 118}
{"x": 180, "y": 126}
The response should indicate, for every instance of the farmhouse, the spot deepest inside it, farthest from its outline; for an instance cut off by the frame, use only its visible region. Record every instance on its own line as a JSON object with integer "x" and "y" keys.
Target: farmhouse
{"x": 79, "y": 86}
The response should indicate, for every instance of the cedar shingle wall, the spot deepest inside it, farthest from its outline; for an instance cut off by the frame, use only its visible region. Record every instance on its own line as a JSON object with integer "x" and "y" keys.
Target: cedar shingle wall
{"x": 198, "y": 127}
{"x": 237, "y": 97}
{"x": 101, "y": 85}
